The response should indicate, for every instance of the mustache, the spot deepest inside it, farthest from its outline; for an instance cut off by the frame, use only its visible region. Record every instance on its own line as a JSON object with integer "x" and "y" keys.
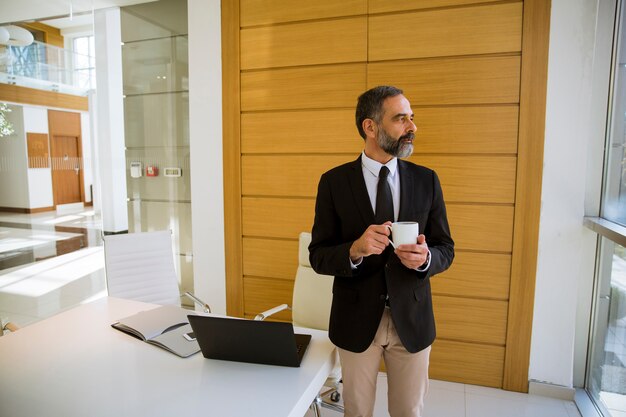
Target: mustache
{"x": 409, "y": 135}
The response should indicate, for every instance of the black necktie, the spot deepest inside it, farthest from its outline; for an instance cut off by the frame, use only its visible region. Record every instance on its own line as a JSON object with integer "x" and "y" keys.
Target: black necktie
{"x": 384, "y": 201}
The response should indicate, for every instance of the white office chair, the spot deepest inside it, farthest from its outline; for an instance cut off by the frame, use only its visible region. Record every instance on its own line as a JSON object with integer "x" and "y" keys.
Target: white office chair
{"x": 312, "y": 296}
{"x": 140, "y": 266}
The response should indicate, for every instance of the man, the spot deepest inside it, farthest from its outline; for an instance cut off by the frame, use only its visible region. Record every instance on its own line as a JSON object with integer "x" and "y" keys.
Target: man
{"x": 382, "y": 304}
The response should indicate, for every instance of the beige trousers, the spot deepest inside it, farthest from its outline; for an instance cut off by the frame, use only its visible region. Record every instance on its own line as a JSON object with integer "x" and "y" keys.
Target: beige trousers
{"x": 407, "y": 375}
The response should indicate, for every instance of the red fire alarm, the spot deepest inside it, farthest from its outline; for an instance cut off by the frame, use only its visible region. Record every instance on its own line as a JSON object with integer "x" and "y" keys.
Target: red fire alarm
{"x": 152, "y": 171}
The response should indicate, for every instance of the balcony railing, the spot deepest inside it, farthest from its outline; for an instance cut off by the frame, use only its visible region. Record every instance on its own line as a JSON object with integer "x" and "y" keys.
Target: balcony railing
{"x": 47, "y": 67}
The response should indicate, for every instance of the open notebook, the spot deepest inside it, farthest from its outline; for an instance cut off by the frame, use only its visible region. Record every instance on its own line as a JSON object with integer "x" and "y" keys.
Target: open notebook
{"x": 164, "y": 326}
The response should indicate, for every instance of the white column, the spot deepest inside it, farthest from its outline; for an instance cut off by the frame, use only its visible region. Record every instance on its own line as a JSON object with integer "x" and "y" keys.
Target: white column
{"x": 205, "y": 144}
{"x": 110, "y": 128}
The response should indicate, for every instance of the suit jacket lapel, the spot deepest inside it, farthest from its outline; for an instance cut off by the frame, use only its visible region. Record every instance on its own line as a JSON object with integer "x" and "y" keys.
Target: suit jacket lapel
{"x": 359, "y": 192}
{"x": 406, "y": 185}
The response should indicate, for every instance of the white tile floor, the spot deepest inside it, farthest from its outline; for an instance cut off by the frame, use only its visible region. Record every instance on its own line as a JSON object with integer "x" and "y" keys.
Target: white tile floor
{"x": 448, "y": 399}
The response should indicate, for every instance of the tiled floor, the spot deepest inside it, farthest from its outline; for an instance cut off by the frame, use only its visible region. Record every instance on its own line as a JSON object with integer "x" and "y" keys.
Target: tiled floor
{"x": 49, "y": 262}
{"x": 448, "y": 399}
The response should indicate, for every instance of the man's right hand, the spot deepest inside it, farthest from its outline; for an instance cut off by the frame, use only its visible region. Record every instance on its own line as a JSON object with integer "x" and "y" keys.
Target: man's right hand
{"x": 372, "y": 242}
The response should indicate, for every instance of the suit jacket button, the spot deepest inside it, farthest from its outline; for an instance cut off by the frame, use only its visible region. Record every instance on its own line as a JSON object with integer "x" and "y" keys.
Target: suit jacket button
{"x": 383, "y": 296}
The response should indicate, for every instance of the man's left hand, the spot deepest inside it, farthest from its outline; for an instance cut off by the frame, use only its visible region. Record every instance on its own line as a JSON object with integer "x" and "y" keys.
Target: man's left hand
{"x": 413, "y": 256}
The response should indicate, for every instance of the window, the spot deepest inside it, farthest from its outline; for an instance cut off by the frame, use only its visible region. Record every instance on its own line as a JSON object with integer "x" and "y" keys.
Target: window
{"x": 84, "y": 61}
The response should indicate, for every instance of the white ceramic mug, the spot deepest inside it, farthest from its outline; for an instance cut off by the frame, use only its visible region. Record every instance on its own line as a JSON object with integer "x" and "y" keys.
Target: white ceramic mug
{"x": 404, "y": 233}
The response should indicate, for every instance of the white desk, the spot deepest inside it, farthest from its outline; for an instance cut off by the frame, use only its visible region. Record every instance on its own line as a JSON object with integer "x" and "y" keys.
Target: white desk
{"x": 75, "y": 364}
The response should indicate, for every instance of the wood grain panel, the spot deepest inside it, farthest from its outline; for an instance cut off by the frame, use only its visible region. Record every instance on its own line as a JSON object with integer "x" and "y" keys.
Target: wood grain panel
{"x": 471, "y": 320}
{"x": 446, "y": 32}
{"x": 292, "y": 176}
{"x": 473, "y": 130}
{"x": 380, "y": 6}
{"x": 468, "y": 363}
{"x": 474, "y": 227}
{"x": 317, "y": 131}
{"x": 277, "y": 217}
{"x": 467, "y": 130}
{"x": 232, "y": 158}
{"x": 475, "y": 274}
{"x": 24, "y": 95}
{"x": 319, "y": 42}
{"x": 464, "y": 179}
{"x": 484, "y": 228}
{"x": 38, "y": 150}
{"x": 260, "y": 294}
{"x": 528, "y": 192}
{"x": 471, "y": 80}
{"x": 329, "y": 86}
{"x": 476, "y": 179}
{"x": 270, "y": 258}
{"x": 262, "y": 12}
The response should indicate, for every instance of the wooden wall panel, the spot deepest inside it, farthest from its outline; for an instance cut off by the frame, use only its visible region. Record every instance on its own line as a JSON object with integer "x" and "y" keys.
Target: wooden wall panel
{"x": 474, "y": 227}
{"x": 329, "y": 86}
{"x": 476, "y": 179}
{"x": 231, "y": 109}
{"x": 261, "y": 294}
{"x": 263, "y": 12}
{"x": 380, "y": 6}
{"x": 291, "y": 117}
{"x": 455, "y": 31}
{"x": 468, "y": 363}
{"x": 480, "y": 227}
{"x": 466, "y": 179}
{"x": 319, "y": 131}
{"x": 528, "y": 192}
{"x": 466, "y": 130}
{"x": 270, "y": 258}
{"x": 471, "y": 320}
{"x": 472, "y": 80}
{"x": 477, "y": 275}
{"x": 277, "y": 217}
{"x": 25, "y": 95}
{"x": 319, "y": 42}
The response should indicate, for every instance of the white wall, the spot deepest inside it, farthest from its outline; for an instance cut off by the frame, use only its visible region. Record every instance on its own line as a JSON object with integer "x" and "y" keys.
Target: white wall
{"x": 13, "y": 163}
{"x": 39, "y": 179}
{"x": 205, "y": 142}
{"x": 566, "y": 249}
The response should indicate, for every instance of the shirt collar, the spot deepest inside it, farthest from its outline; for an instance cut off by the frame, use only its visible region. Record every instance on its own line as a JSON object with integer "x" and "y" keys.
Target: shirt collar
{"x": 374, "y": 166}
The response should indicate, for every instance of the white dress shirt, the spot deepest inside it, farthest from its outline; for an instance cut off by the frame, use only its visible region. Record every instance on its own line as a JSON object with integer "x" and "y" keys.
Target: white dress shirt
{"x": 371, "y": 169}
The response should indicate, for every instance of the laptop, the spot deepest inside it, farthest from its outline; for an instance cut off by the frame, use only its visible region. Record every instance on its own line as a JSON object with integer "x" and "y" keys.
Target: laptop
{"x": 252, "y": 341}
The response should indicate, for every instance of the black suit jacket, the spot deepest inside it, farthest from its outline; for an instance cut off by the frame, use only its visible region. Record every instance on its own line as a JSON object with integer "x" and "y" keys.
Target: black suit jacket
{"x": 342, "y": 213}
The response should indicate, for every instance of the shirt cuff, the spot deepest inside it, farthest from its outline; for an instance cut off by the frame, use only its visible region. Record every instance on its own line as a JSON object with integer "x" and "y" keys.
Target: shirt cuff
{"x": 426, "y": 265}
{"x": 354, "y": 265}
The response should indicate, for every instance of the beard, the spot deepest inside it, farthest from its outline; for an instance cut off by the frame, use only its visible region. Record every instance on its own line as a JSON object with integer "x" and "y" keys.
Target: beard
{"x": 399, "y": 148}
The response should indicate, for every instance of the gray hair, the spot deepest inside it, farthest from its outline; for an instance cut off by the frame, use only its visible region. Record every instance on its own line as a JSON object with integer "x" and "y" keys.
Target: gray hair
{"x": 370, "y": 104}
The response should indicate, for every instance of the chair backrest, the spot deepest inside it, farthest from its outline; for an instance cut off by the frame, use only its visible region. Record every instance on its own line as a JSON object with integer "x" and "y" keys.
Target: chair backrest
{"x": 312, "y": 292}
{"x": 140, "y": 266}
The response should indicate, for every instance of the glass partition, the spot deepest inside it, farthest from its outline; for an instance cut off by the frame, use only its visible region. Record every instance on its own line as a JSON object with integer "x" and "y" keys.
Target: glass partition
{"x": 156, "y": 124}
{"x": 45, "y": 67}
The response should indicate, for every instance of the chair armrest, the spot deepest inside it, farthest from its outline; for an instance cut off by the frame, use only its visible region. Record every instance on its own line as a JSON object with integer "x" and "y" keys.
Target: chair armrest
{"x": 205, "y": 306}
{"x": 267, "y": 313}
